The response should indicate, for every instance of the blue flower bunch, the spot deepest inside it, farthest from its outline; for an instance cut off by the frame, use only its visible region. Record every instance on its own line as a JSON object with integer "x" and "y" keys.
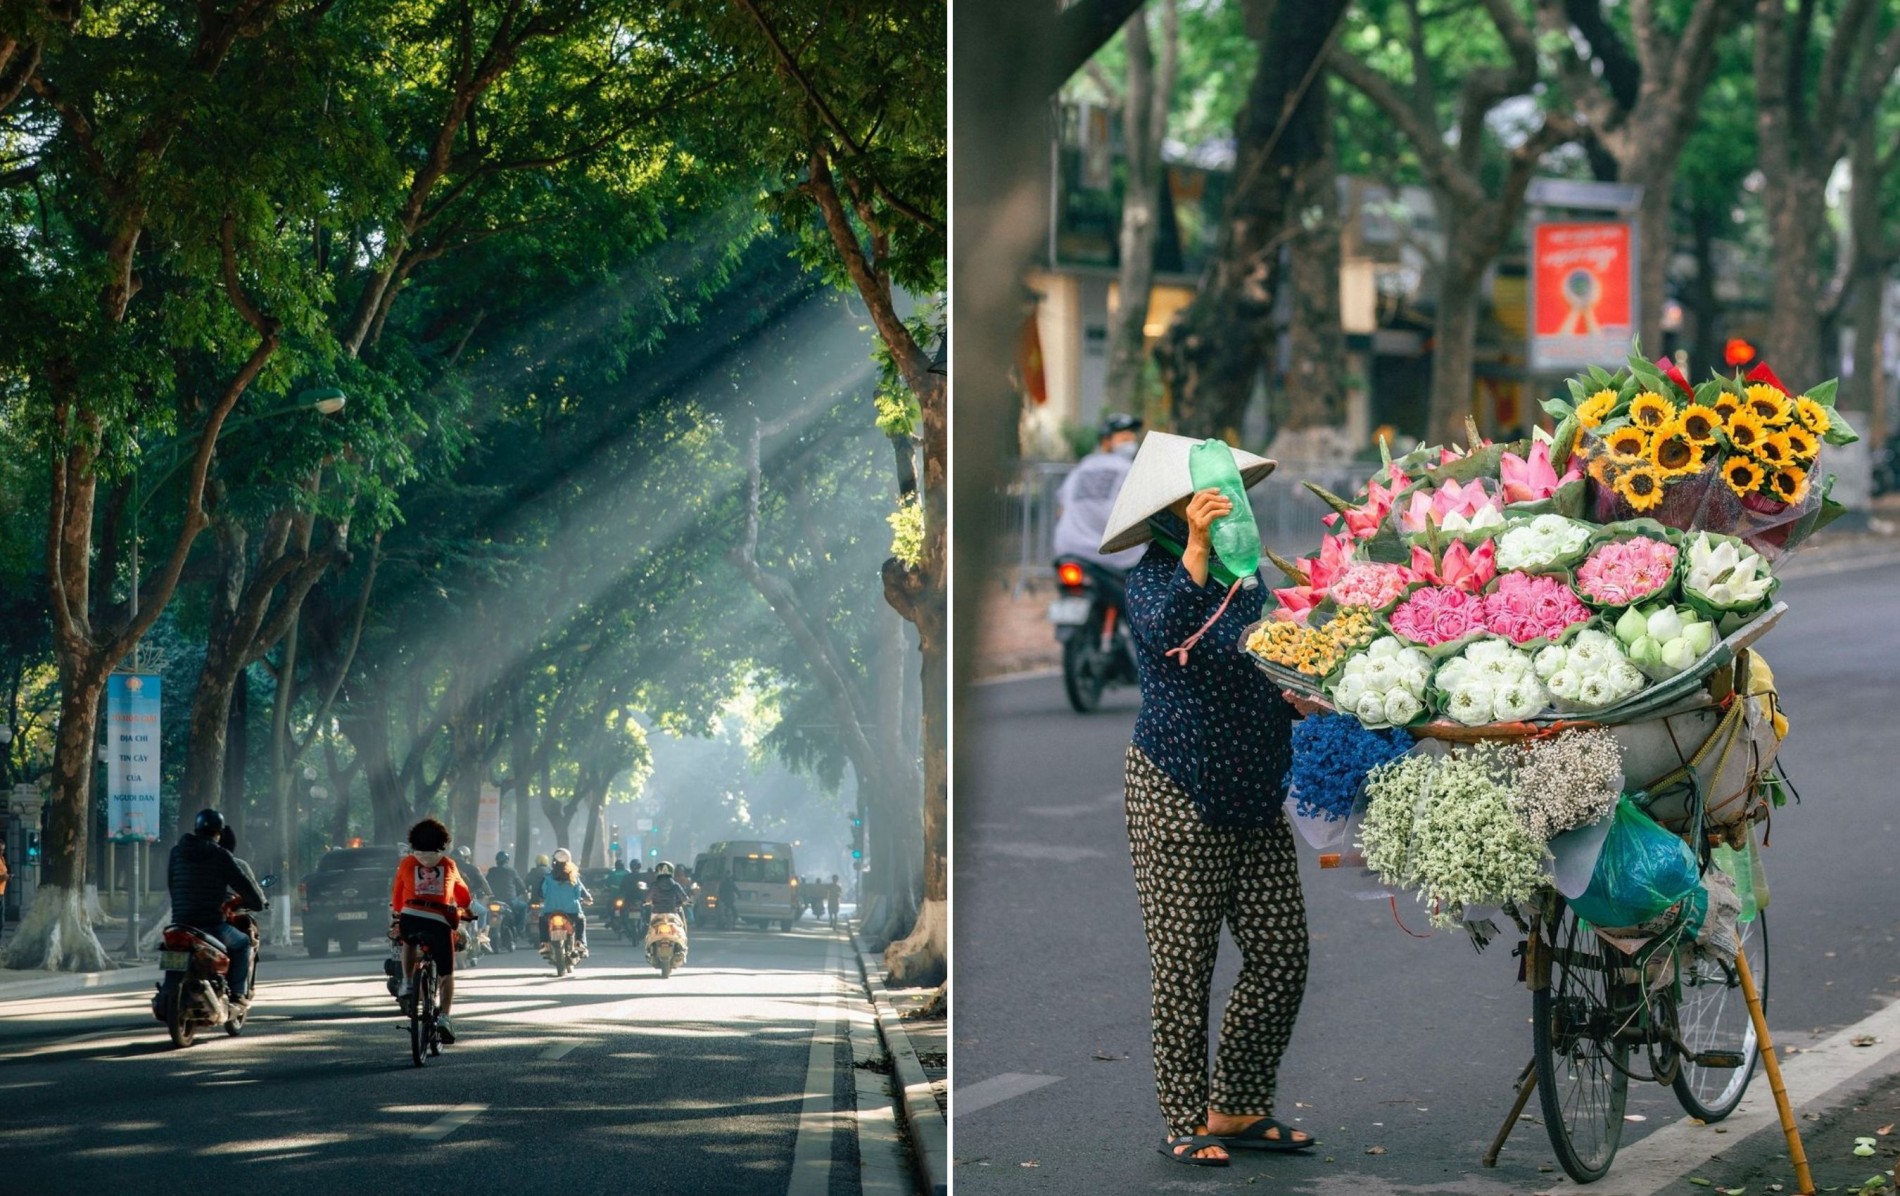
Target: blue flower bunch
{"x": 1332, "y": 753}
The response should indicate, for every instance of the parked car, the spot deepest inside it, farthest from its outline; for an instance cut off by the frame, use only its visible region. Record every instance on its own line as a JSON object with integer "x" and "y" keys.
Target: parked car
{"x": 346, "y": 900}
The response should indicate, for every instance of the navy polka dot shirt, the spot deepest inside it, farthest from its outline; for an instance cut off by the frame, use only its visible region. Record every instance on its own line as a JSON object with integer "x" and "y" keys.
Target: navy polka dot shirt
{"x": 1216, "y": 726}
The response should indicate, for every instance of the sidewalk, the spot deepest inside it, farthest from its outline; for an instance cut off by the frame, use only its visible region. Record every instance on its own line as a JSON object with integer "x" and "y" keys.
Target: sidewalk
{"x": 918, "y": 1053}
{"x": 1829, "y": 1137}
{"x": 27, "y": 985}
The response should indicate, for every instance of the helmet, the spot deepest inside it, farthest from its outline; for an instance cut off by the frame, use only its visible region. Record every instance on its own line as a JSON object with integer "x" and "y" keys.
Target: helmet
{"x": 664, "y": 869}
{"x": 1116, "y": 421}
{"x": 561, "y": 855}
{"x": 465, "y": 852}
{"x": 207, "y": 824}
{"x": 501, "y": 859}
{"x": 542, "y": 859}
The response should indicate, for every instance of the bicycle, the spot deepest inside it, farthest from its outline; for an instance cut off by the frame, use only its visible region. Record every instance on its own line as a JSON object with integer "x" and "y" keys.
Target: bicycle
{"x": 425, "y": 1035}
{"x": 1594, "y": 1005}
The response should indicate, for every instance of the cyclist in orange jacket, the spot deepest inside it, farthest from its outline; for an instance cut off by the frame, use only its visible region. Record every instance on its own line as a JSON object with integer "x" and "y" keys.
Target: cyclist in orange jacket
{"x": 426, "y": 903}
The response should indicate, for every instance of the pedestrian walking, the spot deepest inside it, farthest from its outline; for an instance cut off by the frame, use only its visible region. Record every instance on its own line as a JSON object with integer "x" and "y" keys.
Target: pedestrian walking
{"x": 1204, "y": 784}
{"x": 831, "y": 900}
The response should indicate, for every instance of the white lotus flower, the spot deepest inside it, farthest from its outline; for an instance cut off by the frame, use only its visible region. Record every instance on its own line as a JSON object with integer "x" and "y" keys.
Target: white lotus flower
{"x": 1589, "y": 657}
{"x": 1348, "y": 691}
{"x": 1700, "y": 636}
{"x": 1402, "y": 707}
{"x": 1469, "y": 705}
{"x": 1566, "y": 683}
{"x": 1632, "y": 625}
{"x": 1549, "y": 660}
{"x": 1454, "y": 672}
{"x": 1370, "y": 710}
{"x": 1678, "y": 654}
{"x": 1382, "y": 647}
{"x": 1625, "y": 677}
{"x": 1596, "y": 691}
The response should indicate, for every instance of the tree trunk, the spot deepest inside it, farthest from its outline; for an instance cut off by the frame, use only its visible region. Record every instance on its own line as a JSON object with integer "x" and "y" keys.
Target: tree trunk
{"x": 1145, "y": 105}
{"x": 1454, "y": 344}
{"x": 211, "y": 703}
{"x": 55, "y": 933}
{"x": 1866, "y": 390}
{"x": 1316, "y": 359}
{"x": 1705, "y": 225}
{"x": 922, "y": 958}
{"x": 1655, "y": 245}
{"x": 1213, "y": 353}
{"x": 237, "y": 752}
{"x": 1797, "y": 215}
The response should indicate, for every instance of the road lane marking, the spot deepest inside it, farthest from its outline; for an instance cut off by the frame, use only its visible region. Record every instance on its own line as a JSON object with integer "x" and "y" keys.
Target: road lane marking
{"x": 456, "y": 1118}
{"x": 996, "y": 1090}
{"x": 559, "y": 1050}
{"x": 811, "y": 1157}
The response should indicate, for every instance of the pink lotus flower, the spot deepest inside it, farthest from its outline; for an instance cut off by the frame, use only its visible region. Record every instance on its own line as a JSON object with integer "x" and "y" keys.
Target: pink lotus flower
{"x": 1438, "y": 615}
{"x": 1626, "y": 571}
{"x": 1532, "y": 479}
{"x": 1297, "y": 602}
{"x": 1459, "y": 566}
{"x": 1523, "y": 608}
{"x": 1370, "y": 585}
{"x": 1335, "y": 557}
{"x": 1450, "y": 498}
{"x": 1363, "y": 521}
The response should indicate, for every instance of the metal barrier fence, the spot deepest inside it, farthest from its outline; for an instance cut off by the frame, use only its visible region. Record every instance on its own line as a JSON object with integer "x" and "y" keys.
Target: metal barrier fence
{"x": 1288, "y": 513}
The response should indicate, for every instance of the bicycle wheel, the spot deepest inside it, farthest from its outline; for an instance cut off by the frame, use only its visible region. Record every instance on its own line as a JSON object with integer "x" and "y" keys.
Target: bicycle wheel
{"x": 422, "y": 989}
{"x": 1714, "y": 1019}
{"x": 1582, "y": 1077}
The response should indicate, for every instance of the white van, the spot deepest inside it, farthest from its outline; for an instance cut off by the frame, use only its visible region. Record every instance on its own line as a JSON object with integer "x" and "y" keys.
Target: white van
{"x": 764, "y": 886}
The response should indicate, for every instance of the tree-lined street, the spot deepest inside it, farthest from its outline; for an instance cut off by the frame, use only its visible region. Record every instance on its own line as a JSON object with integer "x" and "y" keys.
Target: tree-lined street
{"x": 1406, "y": 1050}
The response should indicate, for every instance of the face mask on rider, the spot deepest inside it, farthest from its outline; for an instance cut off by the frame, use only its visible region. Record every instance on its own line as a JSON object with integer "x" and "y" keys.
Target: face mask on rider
{"x": 1126, "y": 450}
{"x": 429, "y": 858}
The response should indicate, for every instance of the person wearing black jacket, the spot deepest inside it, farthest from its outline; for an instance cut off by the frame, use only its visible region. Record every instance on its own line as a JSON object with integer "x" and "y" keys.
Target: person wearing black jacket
{"x": 665, "y": 895}
{"x": 504, "y": 883}
{"x": 200, "y": 876}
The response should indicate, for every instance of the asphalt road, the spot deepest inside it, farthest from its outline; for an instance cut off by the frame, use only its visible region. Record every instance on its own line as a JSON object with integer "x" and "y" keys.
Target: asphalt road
{"x": 610, "y": 1079}
{"x": 1405, "y": 1045}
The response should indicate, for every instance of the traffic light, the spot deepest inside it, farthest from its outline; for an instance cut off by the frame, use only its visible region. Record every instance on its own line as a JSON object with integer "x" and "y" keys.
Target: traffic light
{"x": 653, "y": 853}
{"x": 32, "y": 847}
{"x": 857, "y": 837}
{"x": 613, "y": 848}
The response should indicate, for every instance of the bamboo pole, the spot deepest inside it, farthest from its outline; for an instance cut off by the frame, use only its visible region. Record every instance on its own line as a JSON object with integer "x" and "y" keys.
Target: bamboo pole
{"x": 1803, "y": 1178}
{"x": 1526, "y": 1081}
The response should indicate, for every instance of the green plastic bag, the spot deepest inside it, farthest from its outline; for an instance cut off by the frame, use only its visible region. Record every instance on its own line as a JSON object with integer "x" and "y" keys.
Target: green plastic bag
{"x": 1738, "y": 868}
{"x": 1234, "y": 535}
{"x": 1642, "y": 871}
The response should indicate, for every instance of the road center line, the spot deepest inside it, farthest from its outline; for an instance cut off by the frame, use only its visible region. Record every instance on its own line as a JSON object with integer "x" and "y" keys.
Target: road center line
{"x": 559, "y": 1050}
{"x": 811, "y": 1157}
{"x": 997, "y": 1089}
{"x": 451, "y": 1121}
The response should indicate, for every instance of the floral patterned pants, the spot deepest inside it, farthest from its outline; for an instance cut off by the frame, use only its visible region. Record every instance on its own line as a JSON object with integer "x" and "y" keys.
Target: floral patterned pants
{"x": 1192, "y": 877}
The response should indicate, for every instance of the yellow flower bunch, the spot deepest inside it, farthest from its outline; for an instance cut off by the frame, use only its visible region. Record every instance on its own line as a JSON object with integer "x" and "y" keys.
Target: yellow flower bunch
{"x": 1353, "y": 627}
{"x": 1284, "y": 642}
{"x": 1595, "y": 409}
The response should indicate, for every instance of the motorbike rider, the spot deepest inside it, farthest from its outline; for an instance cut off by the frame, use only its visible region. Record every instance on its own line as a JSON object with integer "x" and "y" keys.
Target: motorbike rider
{"x": 506, "y": 884}
{"x": 666, "y": 895}
{"x": 477, "y": 886}
{"x": 563, "y": 893}
{"x": 425, "y": 903}
{"x": 536, "y": 874}
{"x": 200, "y": 875}
{"x": 1088, "y": 495}
{"x": 616, "y": 880}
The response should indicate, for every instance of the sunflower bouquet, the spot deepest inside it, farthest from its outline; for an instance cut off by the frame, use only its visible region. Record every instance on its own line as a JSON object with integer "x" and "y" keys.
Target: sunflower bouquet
{"x": 1735, "y": 455}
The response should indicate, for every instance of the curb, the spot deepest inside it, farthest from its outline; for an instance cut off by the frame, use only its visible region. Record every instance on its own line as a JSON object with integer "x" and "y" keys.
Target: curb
{"x": 923, "y": 1121}
{"x": 62, "y": 983}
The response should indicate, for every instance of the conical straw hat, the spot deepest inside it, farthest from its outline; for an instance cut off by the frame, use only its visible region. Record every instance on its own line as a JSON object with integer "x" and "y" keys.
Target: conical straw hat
{"x": 1157, "y": 480}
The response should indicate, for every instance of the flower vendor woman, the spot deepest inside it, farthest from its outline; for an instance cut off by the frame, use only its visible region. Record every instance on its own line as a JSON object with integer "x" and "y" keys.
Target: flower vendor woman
{"x": 1204, "y": 785}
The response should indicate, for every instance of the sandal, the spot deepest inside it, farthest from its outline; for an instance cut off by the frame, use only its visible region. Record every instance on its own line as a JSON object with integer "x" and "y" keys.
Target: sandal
{"x": 1182, "y": 1147}
{"x": 1267, "y": 1134}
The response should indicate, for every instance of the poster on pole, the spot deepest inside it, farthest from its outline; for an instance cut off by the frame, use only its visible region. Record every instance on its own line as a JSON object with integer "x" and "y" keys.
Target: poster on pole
{"x": 1583, "y": 293}
{"x": 132, "y": 757}
{"x": 487, "y": 827}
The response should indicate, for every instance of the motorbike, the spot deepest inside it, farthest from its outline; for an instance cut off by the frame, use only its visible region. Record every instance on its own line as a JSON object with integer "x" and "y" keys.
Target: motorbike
{"x": 195, "y": 991}
{"x": 563, "y": 948}
{"x": 1097, "y": 651}
{"x": 622, "y": 921}
{"x": 501, "y": 925}
{"x": 666, "y": 942}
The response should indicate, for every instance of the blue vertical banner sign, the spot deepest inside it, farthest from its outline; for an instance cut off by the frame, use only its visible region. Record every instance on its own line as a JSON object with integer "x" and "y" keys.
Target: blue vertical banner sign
{"x": 132, "y": 763}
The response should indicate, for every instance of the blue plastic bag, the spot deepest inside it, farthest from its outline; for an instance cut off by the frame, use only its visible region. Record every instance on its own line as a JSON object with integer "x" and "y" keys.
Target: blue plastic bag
{"x": 1643, "y": 871}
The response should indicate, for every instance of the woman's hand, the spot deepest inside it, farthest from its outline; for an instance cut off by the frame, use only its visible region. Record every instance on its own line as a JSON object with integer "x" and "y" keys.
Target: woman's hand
{"x": 1303, "y": 704}
{"x": 1202, "y": 510}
